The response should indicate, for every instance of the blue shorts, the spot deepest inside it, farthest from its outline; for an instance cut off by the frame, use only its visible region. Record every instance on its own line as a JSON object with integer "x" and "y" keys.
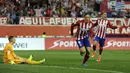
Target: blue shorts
{"x": 101, "y": 41}
{"x": 84, "y": 42}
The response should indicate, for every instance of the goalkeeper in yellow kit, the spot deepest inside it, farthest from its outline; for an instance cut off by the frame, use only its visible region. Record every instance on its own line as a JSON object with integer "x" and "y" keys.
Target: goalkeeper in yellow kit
{"x": 11, "y": 58}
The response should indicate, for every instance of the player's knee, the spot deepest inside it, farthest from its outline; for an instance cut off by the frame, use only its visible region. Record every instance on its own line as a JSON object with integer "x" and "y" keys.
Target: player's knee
{"x": 95, "y": 42}
{"x": 24, "y": 60}
{"x": 101, "y": 47}
{"x": 83, "y": 50}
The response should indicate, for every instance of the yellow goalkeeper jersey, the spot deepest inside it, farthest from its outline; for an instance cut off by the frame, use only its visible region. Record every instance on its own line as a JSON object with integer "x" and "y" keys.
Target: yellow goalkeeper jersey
{"x": 9, "y": 53}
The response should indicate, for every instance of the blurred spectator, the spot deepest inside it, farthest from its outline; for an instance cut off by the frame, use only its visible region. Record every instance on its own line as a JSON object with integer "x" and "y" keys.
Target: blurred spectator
{"x": 109, "y": 15}
{"x": 128, "y": 14}
{"x": 13, "y": 17}
{"x": 48, "y": 11}
{"x": 73, "y": 13}
{"x": 121, "y": 14}
{"x": 97, "y": 5}
{"x": 62, "y": 11}
{"x": 94, "y": 14}
{"x": 54, "y": 14}
{"x": 79, "y": 13}
{"x": 13, "y": 9}
{"x": 31, "y": 12}
{"x": 114, "y": 12}
{"x": 85, "y": 8}
{"x": 38, "y": 11}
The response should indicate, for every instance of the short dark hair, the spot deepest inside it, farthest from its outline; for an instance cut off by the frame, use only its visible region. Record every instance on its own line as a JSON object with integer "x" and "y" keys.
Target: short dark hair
{"x": 44, "y": 32}
{"x": 10, "y": 37}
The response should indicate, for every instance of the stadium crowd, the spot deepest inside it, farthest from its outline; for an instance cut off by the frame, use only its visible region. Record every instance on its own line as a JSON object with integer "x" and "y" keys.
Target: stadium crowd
{"x": 13, "y": 9}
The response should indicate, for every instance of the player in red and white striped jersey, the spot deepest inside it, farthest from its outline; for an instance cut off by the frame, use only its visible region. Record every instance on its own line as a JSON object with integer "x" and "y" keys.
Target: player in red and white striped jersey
{"x": 82, "y": 35}
{"x": 100, "y": 34}
{"x": 83, "y": 29}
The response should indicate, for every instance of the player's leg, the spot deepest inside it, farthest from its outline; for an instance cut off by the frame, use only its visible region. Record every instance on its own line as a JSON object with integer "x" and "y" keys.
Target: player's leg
{"x": 86, "y": 57}
{"x": 81, "y": 47}
{"x": 82, "y": 51}
{"x": 101, "y": 42}
{"x": 34, "y": 62}
{"x": 88, "y": 47}
{"x": 100, "y": 52}
{"x": 21, "y": 60}
{"x": 27, "y": 61}
{"x": 30, "y": 57}
{"x": 94, "y": 45}
{"x": 96, "y": 40}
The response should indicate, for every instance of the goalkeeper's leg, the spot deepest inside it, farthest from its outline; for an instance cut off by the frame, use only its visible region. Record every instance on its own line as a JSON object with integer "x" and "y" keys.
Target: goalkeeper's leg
{"x": 28, "y": 61}
{"x": 34, "y": 62}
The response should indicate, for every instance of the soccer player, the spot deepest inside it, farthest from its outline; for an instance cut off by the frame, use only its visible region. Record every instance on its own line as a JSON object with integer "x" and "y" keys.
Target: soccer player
{"x": 82, "y": 36}
{"x": 11, "y": 58}
{"x": 102, "y": 25}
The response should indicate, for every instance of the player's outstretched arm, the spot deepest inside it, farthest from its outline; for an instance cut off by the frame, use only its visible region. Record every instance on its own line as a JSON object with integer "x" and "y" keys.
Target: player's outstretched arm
{"x": 111, "y": 26}
{"x": 71, "y": 29}
{"x": 94, "y": 24}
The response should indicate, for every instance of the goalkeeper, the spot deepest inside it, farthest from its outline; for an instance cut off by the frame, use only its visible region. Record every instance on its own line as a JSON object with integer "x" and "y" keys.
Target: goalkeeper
{"x": 11, "y": 58}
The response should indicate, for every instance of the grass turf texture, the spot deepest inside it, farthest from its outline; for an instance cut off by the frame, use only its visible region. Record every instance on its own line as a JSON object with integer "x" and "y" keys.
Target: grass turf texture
{"x": 70, "y": 62}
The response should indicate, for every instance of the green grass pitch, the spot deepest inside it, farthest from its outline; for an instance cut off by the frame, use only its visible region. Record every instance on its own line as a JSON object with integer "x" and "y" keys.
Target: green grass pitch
{"x": 70, "y": 62}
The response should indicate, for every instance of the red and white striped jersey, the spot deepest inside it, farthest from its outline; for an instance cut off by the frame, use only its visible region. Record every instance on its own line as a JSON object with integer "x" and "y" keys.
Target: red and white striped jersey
{"x": 102, "y": 26}
{"x": 84, "y": 29}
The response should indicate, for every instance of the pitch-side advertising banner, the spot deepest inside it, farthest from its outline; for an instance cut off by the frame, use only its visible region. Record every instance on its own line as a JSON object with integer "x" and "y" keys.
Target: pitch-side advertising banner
{"x": 61, "y": 21}
{"x": 25, "y": 43}
{"x": 70, "y": 44}
{"x": 60, "y": 44}
{"x": 24, "y": 30}
{"x": 66, "y": 21}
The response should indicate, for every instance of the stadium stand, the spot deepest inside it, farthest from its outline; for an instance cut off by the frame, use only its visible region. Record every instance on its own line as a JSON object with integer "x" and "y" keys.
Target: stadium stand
{"x": 13, "y": 9}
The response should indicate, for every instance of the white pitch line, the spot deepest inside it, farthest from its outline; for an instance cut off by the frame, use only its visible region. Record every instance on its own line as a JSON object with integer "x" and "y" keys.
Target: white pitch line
{"x": 108, "y": 71}
{"x": 74, "y": 68}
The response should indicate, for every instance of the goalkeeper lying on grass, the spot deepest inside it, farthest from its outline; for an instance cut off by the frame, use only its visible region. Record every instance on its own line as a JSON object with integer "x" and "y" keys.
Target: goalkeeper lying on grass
{"x": 11, "y": 58}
